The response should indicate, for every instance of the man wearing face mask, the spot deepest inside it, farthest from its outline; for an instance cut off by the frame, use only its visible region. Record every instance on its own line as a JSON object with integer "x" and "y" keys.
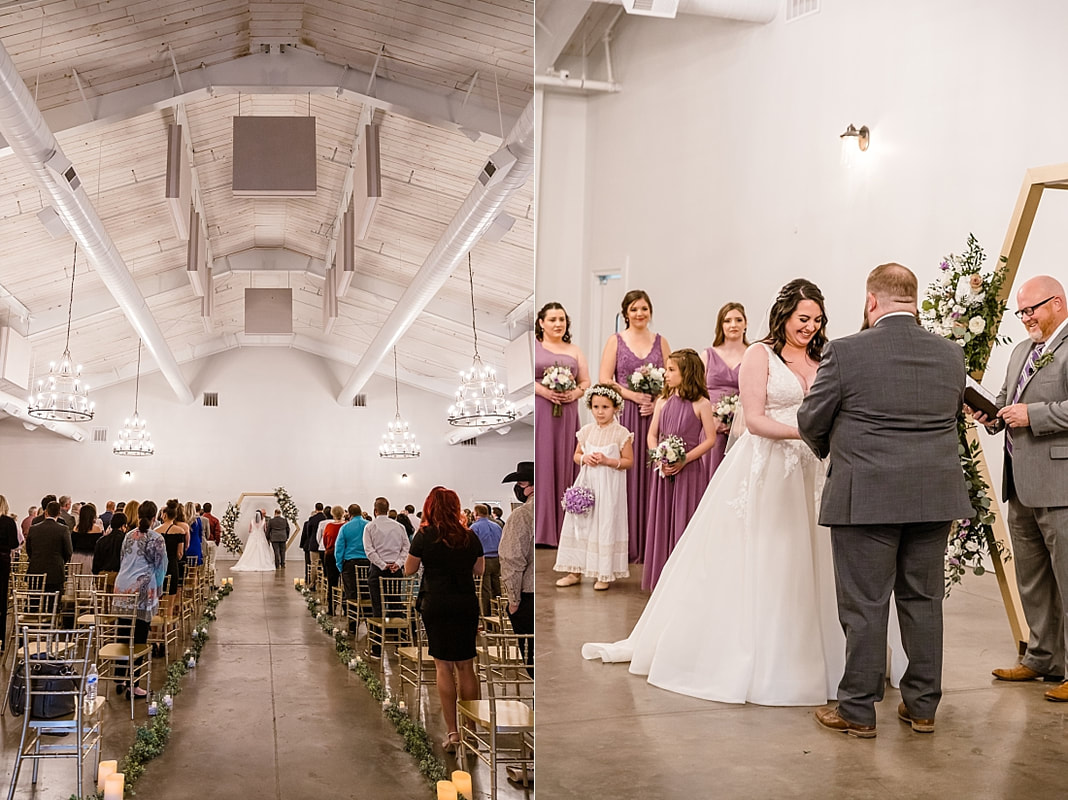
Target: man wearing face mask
{"x": 516, "y": 551}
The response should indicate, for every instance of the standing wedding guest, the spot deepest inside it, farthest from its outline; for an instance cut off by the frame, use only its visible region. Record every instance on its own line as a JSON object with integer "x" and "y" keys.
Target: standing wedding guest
{"x": 682, "y": 411}
{"x": 48, "y": 498}
{"x": 1034, "y": 410}
{"x": 27, "y": 521}
{"x": 309, "y": 544}
{"x": 451, "y": 556}
{"x": 9, "y": 540}
{"x": 626, "y": 352}
{"x": 131, "y": 510}
{"x": 555, "y": 414}
{"x": 65, "y": 515}
{"x": 49, "y": 548}
{"x": 87, "y": 530}
{"x": 174, "y": 536}
{"x": 107, "y": 555}
{"x": 489, "y": 534}
{"x": 216, "y": 526}
{"x": 722, "y": 361}
{"x": 516, "y": 550}
{"x": 195, "y": 541}
{"x": 105, "y": 518}
{"x": 594, "y": 542}
{"x": 331, "y": 530}
{"x": 386, "y": 544}
{"x": 349, "y": 553}
{"x": 498, "y": 516}
{"x": 142, "y": 569}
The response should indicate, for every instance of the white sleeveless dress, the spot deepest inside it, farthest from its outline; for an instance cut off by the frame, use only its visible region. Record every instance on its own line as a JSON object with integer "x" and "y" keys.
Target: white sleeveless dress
{"x": 258, "y": 555}
{"x": 745, "y": 609}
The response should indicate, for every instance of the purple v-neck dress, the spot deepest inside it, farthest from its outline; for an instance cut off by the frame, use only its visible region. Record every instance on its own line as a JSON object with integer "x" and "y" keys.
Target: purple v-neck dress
{"x": 721, "y": 381}
{"x": 639, "y": 477}
{"x": 554, "y": 450}
{"x": 672, "y": 502}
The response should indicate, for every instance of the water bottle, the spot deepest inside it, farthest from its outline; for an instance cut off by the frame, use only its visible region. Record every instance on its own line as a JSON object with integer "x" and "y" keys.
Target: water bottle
{"x": 91, "y": 681}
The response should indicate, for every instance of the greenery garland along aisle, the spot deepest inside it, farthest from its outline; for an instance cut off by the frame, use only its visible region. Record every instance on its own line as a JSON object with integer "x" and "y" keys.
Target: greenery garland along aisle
{"x": 151, "y": 738}
{"x": 416, "y": 740}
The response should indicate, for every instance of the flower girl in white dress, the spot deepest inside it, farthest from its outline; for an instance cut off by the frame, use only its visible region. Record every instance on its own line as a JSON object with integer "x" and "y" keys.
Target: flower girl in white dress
{"x": 594, "y": 543}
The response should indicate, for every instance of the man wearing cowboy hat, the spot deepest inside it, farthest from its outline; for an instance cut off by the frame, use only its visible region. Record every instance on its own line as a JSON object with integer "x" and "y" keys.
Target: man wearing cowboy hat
{"x": 516, "y": 552}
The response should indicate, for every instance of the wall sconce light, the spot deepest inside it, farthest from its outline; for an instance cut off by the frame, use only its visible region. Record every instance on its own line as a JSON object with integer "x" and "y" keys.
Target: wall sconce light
{"x": 127, "y": 475}
{"x": 404, "y": 476}
{"x": 861, "y": 137}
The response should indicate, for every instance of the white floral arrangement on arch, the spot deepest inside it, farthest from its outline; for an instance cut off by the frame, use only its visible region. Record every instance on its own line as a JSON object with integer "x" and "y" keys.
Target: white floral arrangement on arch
{"x": 964, "y": 306}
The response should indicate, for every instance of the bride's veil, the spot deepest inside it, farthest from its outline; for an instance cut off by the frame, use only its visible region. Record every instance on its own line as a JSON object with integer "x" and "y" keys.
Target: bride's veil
{"x": 737, "y": 428}
{"x": 259, "y": 517}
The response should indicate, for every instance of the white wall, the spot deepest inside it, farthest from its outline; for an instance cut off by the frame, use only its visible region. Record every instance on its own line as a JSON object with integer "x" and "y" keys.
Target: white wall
{"x": 715, "y": 174}
{"x": 277, "y": 424}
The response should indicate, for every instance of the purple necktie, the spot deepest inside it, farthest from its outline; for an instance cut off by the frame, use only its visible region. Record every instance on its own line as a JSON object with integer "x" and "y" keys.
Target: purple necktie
{"x": 1025, "y": 375}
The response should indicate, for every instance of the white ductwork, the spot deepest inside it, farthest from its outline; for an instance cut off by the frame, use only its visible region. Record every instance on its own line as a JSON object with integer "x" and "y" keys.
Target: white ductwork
{"x": 22, "y": 125}
{"x": 743, "y": 10}
{"x": 476, "y": 214}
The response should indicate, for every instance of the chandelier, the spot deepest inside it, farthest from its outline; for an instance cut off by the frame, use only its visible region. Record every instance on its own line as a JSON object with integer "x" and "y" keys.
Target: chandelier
{"x": 397, "y": 442}
{"x": 62, "y": 396}
{"x": 134, "y": 439}
{"x": 480, "y": 400}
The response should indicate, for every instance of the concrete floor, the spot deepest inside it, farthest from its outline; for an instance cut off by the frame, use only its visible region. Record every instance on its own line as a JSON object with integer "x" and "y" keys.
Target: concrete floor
{"x": 604, "y": 733}
{"x": 269, "y": 712}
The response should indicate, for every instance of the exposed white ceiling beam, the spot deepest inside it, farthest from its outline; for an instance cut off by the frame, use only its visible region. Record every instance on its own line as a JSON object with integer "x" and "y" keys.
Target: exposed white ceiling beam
{"x": 293, "y": 72}
{"x": 556, "y": 23}
{"x": 16, "y": 407}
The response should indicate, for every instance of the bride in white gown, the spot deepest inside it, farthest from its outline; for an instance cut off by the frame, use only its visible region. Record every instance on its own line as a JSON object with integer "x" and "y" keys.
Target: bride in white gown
{"x": 745, "y": 608}
{"x": 258, "y": 556}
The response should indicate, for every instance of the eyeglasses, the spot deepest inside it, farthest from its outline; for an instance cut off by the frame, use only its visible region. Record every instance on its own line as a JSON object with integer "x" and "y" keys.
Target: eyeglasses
{"x": 1030, "y": 310}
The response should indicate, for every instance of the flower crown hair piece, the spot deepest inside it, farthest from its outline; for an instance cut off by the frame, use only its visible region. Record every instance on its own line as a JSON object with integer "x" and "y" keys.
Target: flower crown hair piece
{"x": 604, "y": 390}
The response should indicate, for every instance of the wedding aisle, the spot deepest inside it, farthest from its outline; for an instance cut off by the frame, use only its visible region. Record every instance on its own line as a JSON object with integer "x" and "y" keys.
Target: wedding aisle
{"x": 269, "y": 712}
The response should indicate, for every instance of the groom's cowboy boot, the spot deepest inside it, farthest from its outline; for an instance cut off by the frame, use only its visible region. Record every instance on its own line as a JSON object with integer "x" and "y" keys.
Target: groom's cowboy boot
{"x": 918, "y": 725}
{"x": 1022, "y": 672}
{"x": 830, "y": 718}
{"x": 1058, "y": 695}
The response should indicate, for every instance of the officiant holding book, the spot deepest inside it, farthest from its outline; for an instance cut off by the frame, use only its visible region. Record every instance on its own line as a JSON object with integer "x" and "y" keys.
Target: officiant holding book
{"x": 1034, "y": 416}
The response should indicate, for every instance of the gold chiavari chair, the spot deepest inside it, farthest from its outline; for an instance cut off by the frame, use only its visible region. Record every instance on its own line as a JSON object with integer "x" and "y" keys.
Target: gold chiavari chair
{"x": 34, "y": 610}
{"x": 121, "y": 660}
{"x": 394, "y": 627}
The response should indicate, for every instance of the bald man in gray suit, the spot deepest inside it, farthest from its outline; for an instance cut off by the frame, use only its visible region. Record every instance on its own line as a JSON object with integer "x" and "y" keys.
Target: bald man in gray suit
{"x": 884, "y": 406}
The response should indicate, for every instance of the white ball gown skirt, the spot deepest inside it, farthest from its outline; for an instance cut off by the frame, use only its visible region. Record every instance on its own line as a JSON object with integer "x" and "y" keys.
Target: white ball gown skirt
{"x": 258, "y": 555}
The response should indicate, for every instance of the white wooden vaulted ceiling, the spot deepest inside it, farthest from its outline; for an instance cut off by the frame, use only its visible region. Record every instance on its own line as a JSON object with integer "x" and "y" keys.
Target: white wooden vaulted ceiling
{"x": 430, "y": 70}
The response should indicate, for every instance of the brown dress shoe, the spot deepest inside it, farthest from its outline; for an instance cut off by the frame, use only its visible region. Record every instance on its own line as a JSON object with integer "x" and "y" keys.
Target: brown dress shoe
{"x": 830, "y": 718}
{"x": 918, "y": 725}
{"x": 1018, "y": 673}
{"x": 1058, "y": 695}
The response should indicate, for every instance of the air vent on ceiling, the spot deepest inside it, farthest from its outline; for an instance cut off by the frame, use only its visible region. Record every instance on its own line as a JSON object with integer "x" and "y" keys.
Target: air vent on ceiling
{"x": 100, "y": 434}
{"x": 469, "y": 443}
{"x": 795, "y": 9}
{"x": 211, "y": 399}
{"x": 359, "y": 401}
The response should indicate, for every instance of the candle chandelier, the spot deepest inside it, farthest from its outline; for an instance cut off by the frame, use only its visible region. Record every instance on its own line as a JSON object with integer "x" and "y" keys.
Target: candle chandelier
{"x": 480, "y": 400}
{"x": 134, "y": 438}
{"x": 62, "y": 396}
{"x": 397, "y": 441}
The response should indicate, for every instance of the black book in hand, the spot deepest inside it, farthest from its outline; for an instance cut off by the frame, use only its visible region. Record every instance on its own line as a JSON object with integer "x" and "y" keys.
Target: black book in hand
{"x": 980, "y": 399}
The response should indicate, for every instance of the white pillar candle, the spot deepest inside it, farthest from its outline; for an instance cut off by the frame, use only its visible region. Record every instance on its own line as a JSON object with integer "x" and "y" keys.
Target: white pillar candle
{"x": 106, "y": 769}
{"x": 462, "y": 781}
{"x": 446, "y": 790}
{"x": 113, "y": 786}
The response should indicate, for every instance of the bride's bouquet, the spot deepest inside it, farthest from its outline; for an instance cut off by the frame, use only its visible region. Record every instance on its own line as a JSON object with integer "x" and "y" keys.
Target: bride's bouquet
{"x": 558, "y": 379}
{"x": 669, "y": 452}
{"x": 726, "y": 408}
{"x": 647, "y": 379}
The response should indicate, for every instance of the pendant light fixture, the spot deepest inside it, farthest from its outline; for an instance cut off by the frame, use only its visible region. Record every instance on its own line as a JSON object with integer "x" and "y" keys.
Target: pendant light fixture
{"x": 62, "y": 396}
{"x": 134, "y": 438}
{"x": 480, "y": 400}
{"x": 397, "y": 441}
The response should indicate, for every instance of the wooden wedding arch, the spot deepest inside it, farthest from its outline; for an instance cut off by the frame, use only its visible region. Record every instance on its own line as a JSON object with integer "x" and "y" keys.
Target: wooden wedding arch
{"x": 296, "y": 524}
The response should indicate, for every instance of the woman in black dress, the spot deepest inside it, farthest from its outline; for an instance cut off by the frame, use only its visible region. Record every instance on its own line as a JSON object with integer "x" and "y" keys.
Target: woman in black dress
{"x": 9, "y": 540}
{"x": 451, "y": 555}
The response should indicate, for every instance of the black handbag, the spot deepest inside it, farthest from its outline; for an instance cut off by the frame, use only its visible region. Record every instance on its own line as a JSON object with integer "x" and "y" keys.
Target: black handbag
{"x": 50, "y": 678}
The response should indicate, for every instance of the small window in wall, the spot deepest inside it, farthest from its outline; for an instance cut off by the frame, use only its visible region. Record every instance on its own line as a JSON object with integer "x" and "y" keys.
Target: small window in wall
{"x": 100, "y": 434}
{"x": 211, "y": 399}
{"x": 359, "y": 401}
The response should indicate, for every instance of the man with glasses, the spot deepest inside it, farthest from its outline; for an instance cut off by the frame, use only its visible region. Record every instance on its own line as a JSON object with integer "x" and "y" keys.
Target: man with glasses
{"x": 1034, "y": 415}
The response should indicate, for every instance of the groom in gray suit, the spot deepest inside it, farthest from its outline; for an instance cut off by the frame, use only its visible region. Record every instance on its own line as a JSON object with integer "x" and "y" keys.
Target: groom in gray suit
{"x": 884, "y": 406}
{"x": 1035, "y": 483}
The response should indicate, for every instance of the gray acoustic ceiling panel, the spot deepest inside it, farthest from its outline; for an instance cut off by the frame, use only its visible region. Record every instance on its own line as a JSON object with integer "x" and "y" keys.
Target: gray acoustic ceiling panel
{"x": 274, "y": 157}
{"x": 268, "y": 310}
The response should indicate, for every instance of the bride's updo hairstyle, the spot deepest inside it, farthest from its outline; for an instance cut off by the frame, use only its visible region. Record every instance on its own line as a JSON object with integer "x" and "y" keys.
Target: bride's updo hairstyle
{"x": 539, "y": 332}
{"x": 789, "y": 298}
{"x": 442, "y": 513}
{"x": 628, "y": 301}
{"x": 146, "y": 515}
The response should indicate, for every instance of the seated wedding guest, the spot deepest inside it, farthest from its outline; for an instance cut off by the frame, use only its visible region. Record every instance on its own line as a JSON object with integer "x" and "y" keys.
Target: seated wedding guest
{"x": 142, "y": 569}
{"x": 721, "y": 362}
{"x": 386, "y": 545}
{"x": 27, "y": 521}
{"x": 107, "y": 555}
{"x": 561, "y": 376}
{"x": 451, "y": 556}
{"x": 330, "y": 534}
{"x": 174, "y": 536}
{"x": 349, "y": 553}
{"x": 489, "y": 534}
{"x": 9, "y": 540}
{"x": 87, "y": 530}
{"x": 49, "y": 548}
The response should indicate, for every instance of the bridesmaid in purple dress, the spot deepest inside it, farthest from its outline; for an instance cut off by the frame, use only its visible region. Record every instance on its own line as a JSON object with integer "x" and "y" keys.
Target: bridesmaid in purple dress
{"x": 721, "y": 362}
{"x": 554, "y": 468}
{"x": 683, "y": 410}
{"x": 635, "y": 346}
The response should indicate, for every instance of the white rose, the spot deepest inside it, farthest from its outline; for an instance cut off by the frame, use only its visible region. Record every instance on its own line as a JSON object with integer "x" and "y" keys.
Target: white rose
{"x": 971, "y": 546}
{"x": 961, "y": 342}
{"x": 977, "y": 325}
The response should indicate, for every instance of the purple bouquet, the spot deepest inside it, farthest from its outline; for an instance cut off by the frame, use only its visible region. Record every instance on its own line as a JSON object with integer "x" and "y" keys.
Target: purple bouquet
{"x": 577, "y": 500}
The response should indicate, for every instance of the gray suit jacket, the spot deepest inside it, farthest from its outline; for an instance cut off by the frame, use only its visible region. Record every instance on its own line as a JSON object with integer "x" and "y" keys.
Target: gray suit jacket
{"x": 1039, "y": 463}
{"x": 884, "y": 406}
{"x": 277, "y": 529}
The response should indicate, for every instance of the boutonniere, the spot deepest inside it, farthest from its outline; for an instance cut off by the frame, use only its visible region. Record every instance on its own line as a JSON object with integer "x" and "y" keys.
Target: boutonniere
{"x": 1043, "y": 360}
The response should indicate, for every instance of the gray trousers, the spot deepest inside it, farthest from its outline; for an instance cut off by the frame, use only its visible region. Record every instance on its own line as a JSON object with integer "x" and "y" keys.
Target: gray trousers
{"x": 1040, "y": 555}
{"x": 870, "y": 562}
{"x": 279, "y": 553}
